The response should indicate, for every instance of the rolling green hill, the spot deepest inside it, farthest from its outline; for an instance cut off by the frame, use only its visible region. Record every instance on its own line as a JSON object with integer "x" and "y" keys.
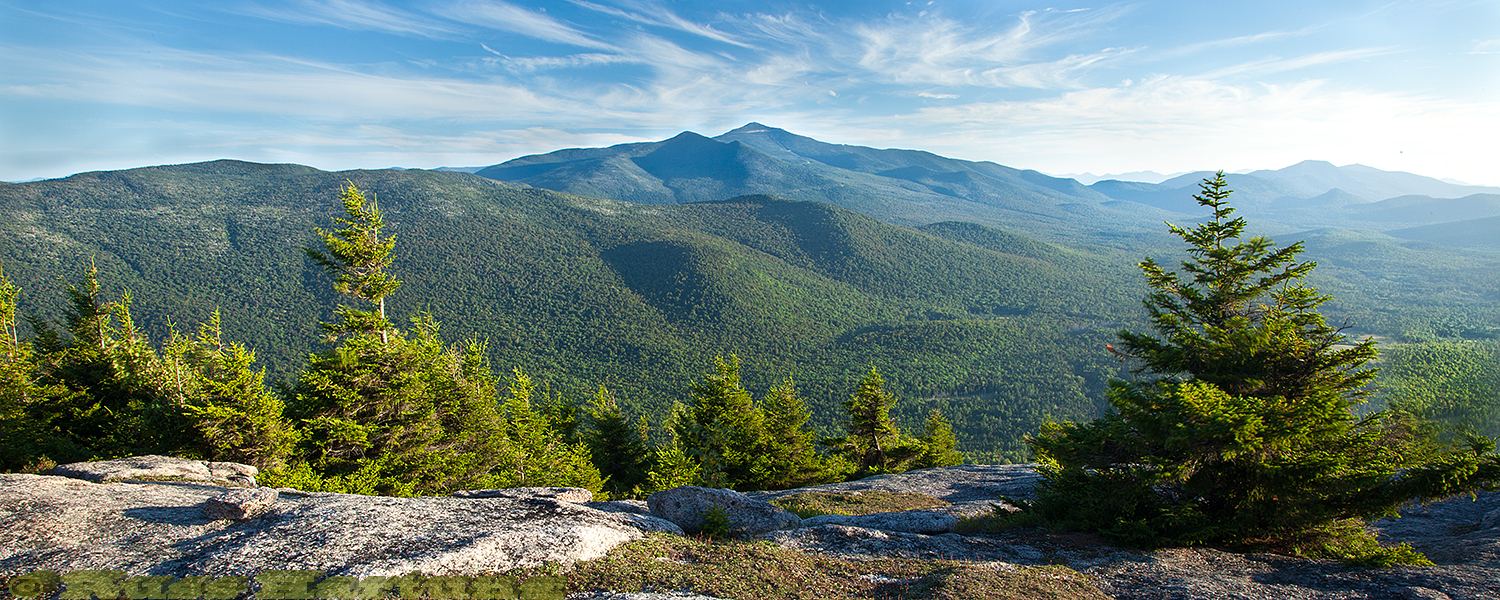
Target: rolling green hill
{"x": 996, "y": 327}
{"x": 999, "y": 330}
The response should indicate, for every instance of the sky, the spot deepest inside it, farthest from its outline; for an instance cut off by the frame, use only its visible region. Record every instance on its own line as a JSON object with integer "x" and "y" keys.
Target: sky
{"x": 1079, "y": 87}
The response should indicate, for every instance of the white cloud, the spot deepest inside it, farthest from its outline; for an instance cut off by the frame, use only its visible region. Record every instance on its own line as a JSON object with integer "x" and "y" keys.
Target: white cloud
{"x": 504, "y": 16}
{"x": 168, "y": 79}
{"x": 661, "y": 16}
{"x": 938, "y": 96}
{"x": 353, "y": 14}
{"x": 1271, "y": 66}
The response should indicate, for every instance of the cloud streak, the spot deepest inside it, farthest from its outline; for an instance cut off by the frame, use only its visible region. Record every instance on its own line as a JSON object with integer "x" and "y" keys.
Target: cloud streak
{"x": 354, "y": 14}
{"x": 504, "y": 16}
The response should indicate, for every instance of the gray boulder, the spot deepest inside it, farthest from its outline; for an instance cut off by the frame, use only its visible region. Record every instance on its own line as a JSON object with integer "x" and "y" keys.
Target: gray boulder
{"x": 560, "y": 494}
{"x": 65, "y": 524}
{"x": 687, "y": 505}
{"x": 160, "y": 468}
{"x": 911, "y": 521}
{"x": 240, "y": 504}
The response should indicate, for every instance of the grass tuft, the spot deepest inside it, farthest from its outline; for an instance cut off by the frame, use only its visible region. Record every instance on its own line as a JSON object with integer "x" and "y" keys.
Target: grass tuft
{"x": 812, "y": 504}
{"x": 738, "y": 570}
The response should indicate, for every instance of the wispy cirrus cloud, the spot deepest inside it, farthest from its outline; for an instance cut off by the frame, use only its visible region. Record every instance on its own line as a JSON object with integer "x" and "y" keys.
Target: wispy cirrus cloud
{"x": 661, "y": 16}
{"x": 1270, "y": 66}
{"x": 932, "y": 49}
{"x": 504, "y": 16}
{"x": 353, "y": 14}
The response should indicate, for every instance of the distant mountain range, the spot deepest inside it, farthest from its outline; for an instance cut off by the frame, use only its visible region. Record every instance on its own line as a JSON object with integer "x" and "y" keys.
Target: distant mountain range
{"x": 913, "y": 187}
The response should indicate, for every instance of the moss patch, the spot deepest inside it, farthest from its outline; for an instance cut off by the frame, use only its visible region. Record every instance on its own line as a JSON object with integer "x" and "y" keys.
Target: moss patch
{"x": 812, "y": 504}
{"x": 760, "y": 570}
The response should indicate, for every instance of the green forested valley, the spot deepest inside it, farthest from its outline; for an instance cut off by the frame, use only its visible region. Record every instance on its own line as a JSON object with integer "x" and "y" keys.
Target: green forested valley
{"x": 997, "y": 329}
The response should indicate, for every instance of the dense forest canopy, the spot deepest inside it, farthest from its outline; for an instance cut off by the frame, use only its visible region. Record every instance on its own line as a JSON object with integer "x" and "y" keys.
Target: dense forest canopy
{"x": 997, "y": 329}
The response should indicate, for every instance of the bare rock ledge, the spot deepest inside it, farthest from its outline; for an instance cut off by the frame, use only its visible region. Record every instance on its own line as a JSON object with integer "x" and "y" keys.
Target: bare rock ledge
{"x": 160, "y": 528}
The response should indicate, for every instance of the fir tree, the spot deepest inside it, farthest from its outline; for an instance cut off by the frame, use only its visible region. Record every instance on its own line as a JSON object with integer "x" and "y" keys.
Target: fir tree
{"x": 1242, "y": 429}
{"x": 116, "y": 403}
{"x": 939, "y": 448}
{"x": 619, "y": 449}
{"x": 722, "y": 430}
{"x": 873, "y": 444}
{"x": 537, "y": 455}
{"x": 26, "y": 437}
{"x": 238, "y": 418}
{"x": 790, "y": 457}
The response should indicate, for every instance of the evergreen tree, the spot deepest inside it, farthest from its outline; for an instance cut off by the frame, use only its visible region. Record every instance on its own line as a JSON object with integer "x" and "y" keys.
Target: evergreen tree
{"x": 26, "y": 439}
{"x": 537, "y": 455}
{"x": 939, "y": 448}
{"x": 238, "y": 418}
{"x": 389, "y": 411}
{"x": 671, "y": 465}
{"x": 400, "y": 408}
{"x": 358, "y": 258}
{"x": 115, "y": 404}
{"x": 723, "y": 428}
{"x": 790, "y": 459}
{"x": 1243, "y": 431}
{"x": 873, "y": 444}
{"x": 619, "y": 449}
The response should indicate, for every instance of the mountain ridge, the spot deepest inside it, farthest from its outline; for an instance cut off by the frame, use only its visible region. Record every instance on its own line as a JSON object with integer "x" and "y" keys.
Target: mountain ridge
{"x": 916, "y": 187}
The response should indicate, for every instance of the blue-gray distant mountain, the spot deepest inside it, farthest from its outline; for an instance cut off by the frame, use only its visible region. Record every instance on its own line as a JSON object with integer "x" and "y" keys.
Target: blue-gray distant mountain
{"x": 912, "y": 187}
{"x": 1314, "y": 194}
{"x": 907, "y": 187}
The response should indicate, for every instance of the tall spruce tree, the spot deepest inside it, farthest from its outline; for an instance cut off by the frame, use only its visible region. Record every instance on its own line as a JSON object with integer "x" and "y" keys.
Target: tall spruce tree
{"x": 873, "y": 443}
{"x": 1241, "y": 427}
{"x": 619, "y": 448}
{"x": 723, "y": 429}
{"x": 358, "y": 257}
{"x": 387, "y": 411}
{"x": 790, "y": 459}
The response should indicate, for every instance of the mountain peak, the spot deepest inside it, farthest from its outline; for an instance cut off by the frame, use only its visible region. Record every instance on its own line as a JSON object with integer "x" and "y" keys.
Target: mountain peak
{"x": 753, "y": 127}
{"x": 687, "y": 136}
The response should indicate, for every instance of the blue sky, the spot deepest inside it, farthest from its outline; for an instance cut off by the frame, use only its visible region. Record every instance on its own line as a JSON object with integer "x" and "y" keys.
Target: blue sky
{"x": 1061, "y": 88}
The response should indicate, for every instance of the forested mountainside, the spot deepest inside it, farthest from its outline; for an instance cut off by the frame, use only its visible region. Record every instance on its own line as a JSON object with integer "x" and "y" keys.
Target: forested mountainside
{"x": 998, "y": 328}
{"x": 582, "y": 291}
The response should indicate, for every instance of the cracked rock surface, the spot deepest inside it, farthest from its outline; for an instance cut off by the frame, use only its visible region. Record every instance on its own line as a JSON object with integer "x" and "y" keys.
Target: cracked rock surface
{"x": 159, "y": 528}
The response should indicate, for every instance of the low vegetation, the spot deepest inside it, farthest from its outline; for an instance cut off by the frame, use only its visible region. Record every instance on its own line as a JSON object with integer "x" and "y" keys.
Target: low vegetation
{"x": 760, "y": 570}
{"x": 812, "y": 504}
